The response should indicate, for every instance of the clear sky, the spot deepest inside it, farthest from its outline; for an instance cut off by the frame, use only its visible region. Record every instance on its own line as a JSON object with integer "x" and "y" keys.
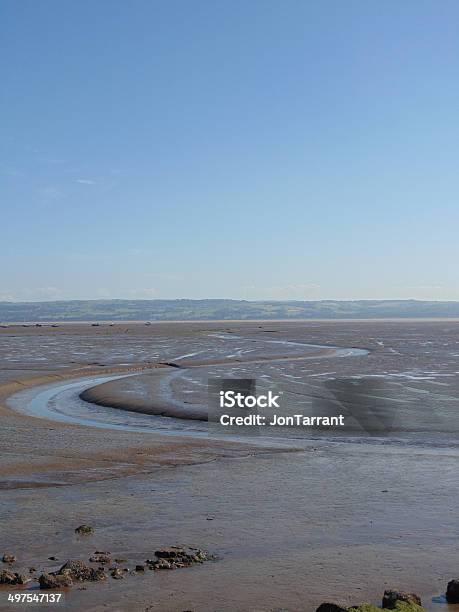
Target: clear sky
{"x": 250, "y": 149}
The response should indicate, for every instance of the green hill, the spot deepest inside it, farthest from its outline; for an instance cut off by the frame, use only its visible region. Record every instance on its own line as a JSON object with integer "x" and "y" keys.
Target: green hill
{"x": 195, "y": 310}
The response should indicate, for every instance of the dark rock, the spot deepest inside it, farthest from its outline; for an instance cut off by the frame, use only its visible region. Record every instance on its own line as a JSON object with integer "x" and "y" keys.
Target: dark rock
{"x": 9, "y": 577}
{"x": 52, "y": 558}
{"x": 22, "y": 578}
{"x": 160, "y": 564}
{"x": 452, "y": 591}
{"x": 330, "y": 607}
{"x": 7, "y": 558}
{"x": 177, "y": 557}
{"x": 201, "y": 555}
{"x": 32, "y": 570}
{"x": 117, "y": 574}
{"x": 100, "y": 557}
{"x": 182, "y": 555}
{"x": 98, "y": 574}
{"x": 168, "y": 553}
{"x": 84, "y": 530}
{"x": 390, "y": 598}
{"x": 400, "y": 606}
{"x": 55, "y": 581}
{"x": 140, "y": 568}
{"x": 79, "y": 571}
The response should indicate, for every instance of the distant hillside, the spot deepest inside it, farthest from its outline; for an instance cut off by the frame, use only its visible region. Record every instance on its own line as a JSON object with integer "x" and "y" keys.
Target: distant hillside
{"x": 189, "y": 310}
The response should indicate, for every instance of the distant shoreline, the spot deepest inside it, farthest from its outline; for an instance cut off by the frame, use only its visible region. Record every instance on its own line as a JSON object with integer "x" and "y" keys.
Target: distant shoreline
{"x": 108, "y": 322}
{"x": 99, "y": 311}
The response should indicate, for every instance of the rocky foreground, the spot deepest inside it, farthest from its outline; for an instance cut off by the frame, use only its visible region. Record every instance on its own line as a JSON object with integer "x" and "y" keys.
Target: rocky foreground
{"x": 101, "y": 566}
{"x": 395, "y": 600}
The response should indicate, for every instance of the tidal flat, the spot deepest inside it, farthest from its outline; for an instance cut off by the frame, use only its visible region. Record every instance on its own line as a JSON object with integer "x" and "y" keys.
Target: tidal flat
{"x": 107, "y": 425}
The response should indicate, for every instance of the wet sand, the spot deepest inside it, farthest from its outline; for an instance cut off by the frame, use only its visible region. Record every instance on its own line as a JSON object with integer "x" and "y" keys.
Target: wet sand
{"x": 292, "y": 526}
{"x": 151, "y": 395}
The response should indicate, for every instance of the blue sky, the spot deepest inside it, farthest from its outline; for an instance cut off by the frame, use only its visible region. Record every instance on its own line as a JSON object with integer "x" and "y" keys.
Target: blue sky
{"x": 229, "y": 148}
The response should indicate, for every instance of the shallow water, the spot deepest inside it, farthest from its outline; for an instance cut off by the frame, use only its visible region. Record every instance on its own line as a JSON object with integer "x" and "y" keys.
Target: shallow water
{"x": 60, "y": 401}
{"x": 396, "y": 393}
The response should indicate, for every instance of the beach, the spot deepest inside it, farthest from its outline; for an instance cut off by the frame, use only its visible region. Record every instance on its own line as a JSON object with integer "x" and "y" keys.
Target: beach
{"x": 293, "y": 521}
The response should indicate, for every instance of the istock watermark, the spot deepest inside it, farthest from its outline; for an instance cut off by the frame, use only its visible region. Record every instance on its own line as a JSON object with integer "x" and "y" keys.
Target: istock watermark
{"x": 232, "y": 399}
{"x": 347, "y": 406}
{"x": 236, "y": 406}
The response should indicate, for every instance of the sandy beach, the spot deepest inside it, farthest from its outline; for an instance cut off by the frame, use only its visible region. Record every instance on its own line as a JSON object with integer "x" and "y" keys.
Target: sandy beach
{"x": 292, "y": 523}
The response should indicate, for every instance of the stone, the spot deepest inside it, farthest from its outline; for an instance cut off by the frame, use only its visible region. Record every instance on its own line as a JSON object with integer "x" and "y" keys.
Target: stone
{"x": 84, "y": 530}
{"x": 161, "y": 564}
{"x": 80, "y": 572}
{"x": 22, "y": 578}
{"x": 9, "y": 577}
{"x": 182, "y": 557}
{"x": 390, "y": 598}
{"x": 7, "y": 558}
{"x": 400, "y": 606}
{"x": 117, "y": 574}
{"x": 100, "y": 557}
{"x": 452, "y": 591}
{"x": 177, "y": 557}
{"x": 169, "y": 553}
{"x": 140, "y": 568}
{"x": 330, "y": 607}
{"x": 54, "y": 581}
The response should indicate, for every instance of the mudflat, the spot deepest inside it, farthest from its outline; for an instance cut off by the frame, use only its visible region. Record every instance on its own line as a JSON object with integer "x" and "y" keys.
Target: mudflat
{"x": 293, "y": 521}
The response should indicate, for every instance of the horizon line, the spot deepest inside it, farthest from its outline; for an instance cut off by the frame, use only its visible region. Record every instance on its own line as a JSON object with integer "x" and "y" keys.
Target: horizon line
{"x": 218, "y": 299}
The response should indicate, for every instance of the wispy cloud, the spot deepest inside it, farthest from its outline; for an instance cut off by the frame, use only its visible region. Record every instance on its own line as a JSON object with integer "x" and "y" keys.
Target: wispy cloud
{"x": 83, "y": 181}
